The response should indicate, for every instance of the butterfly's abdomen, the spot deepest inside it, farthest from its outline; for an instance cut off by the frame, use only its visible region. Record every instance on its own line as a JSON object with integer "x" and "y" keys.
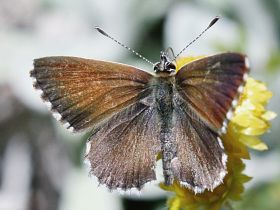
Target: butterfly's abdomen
{"x": 163, "y": 93}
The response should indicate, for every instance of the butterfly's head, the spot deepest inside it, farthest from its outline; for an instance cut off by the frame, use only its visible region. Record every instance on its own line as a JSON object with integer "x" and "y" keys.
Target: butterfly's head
{"x": 165, "y": 65}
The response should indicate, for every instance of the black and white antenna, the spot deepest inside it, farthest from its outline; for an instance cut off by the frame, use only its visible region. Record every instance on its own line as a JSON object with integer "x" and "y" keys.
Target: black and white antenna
{"x": 121, "y": 44}
{"x": 209, "y": 26}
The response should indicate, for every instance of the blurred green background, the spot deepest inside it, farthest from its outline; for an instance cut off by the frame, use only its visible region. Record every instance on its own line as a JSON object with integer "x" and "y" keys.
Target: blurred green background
{"x": 41, "y": 164}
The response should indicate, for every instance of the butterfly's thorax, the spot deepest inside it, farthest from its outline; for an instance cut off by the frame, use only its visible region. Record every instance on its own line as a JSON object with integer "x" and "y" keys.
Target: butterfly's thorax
{"x": 163, "y": 93}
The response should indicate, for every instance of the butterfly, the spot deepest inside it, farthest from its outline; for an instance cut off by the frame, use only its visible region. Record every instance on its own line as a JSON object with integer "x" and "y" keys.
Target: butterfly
{"x": 134, "y": 115}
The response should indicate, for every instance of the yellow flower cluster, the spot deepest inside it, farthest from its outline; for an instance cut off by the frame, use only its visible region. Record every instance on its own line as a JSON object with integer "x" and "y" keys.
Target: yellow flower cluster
{"x": 250, "y": 120}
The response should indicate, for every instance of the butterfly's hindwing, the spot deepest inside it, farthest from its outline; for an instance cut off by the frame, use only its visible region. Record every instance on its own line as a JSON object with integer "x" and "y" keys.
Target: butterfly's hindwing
{"x": 122, "y": 152}
{"x": 200, "y": 162}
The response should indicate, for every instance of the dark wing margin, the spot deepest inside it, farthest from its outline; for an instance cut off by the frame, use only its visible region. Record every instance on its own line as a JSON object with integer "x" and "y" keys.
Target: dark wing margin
{"x": 84, "y": 92}
{"x": 211, "y": 87}
{"x": 200, "y": 163}
{"x": 122, "y": 152}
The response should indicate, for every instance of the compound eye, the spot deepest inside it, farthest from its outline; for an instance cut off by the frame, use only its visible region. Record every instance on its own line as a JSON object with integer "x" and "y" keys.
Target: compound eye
{"x": 170, "y": 66}
{"x": 156, "y": 67}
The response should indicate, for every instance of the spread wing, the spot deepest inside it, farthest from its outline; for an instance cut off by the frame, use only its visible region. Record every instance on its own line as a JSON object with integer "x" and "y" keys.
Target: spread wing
{"x": 83, "y": 92}
{"x": 207, "y": 91}
{"x": 212, "y": 85}
{"x": 122, "y": 152}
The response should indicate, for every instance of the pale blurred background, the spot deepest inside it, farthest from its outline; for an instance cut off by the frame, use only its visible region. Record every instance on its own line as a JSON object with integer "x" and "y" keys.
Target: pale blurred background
{"x": 41, "y": 164}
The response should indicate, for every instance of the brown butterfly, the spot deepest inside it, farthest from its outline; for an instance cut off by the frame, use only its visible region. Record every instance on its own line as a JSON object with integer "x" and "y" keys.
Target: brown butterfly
{"x": 135, "y": 115}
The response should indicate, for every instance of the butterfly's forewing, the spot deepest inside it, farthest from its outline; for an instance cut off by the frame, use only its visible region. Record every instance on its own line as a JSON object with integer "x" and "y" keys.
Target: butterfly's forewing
{"x": 200, "y": 163}
{"x": 211, "y": 86}
{"x": 122, "y": 152}
{"x": 85, "y": 92}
